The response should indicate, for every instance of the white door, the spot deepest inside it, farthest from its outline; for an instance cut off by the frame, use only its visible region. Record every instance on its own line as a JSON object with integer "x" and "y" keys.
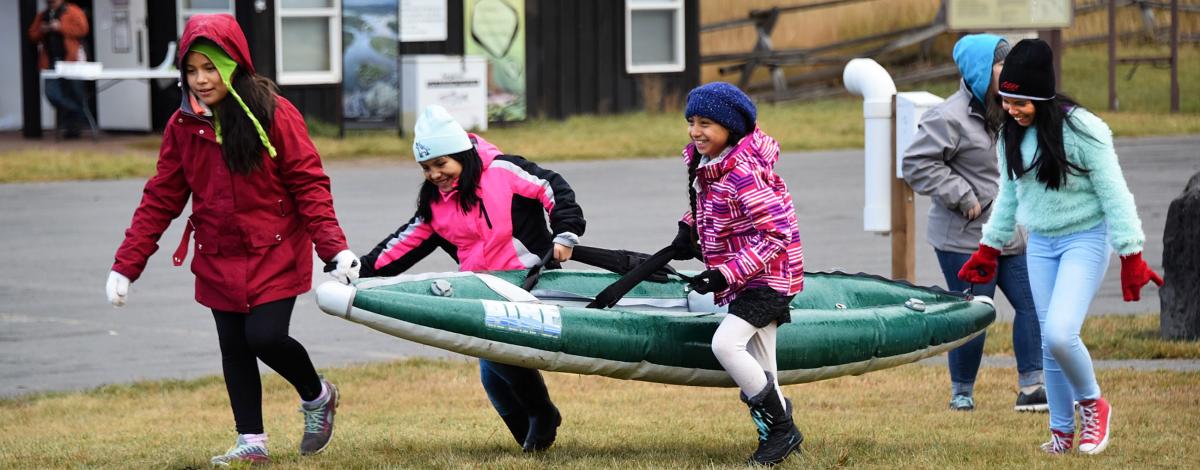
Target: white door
{"x": 121, "y": 40}
{"x": 10, "y": 94}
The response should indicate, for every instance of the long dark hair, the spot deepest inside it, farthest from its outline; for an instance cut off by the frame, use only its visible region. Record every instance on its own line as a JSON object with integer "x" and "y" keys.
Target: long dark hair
{"x": 1050, "y": 161}
{"x": 993, "y": 114}
{"x": 694, "y": 164}
{"x": 240, "y": 144}
{"x": 468, "y": 181}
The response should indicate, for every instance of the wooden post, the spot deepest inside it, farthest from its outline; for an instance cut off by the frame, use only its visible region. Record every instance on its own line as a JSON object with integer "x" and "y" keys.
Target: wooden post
{"x": 904, "y": 221}
{"x": 1174, "y": 56}
{"x": 1112, "y": 55}
{"x": 1053, "y": 38}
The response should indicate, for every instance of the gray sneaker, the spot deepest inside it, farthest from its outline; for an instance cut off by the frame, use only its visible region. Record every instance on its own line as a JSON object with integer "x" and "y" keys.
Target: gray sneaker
{"x": 1035, "y": 401}
{"x": 318, "y": 423}
{"x": 243, "y": 454}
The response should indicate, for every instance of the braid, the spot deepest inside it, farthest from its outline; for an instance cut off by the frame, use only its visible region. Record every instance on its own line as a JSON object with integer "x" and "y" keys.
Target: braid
{"x": 693, "y": 164}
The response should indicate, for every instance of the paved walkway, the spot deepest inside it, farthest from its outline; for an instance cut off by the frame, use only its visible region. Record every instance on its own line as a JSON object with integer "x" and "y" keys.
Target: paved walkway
{"x": 57, "y": 332}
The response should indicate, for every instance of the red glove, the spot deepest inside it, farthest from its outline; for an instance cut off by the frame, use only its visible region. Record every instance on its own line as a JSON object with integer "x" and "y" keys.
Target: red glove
{"x": 981, "y": 267}
{"x": 1134, "y": 275}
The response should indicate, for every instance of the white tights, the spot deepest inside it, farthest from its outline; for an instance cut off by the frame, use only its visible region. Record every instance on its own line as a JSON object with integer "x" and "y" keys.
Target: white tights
{"x": 746, "y": 353}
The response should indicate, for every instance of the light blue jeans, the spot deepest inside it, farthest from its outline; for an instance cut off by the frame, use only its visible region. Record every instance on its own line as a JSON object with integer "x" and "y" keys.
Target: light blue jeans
{"x": 1064, "y": 275}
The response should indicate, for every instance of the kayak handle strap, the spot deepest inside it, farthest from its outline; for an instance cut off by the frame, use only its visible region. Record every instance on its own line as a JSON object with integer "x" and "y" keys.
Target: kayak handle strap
{"x": 535, "y": 272}
{"x": 615, "y": 291}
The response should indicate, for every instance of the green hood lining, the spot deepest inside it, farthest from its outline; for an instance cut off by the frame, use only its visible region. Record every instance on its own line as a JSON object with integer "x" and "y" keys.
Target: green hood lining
{"x": 226, "y": 66}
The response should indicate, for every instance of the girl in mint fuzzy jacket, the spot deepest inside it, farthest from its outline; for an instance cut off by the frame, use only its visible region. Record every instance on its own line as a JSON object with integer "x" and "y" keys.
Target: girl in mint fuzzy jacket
{"x": 1061, "y": 180}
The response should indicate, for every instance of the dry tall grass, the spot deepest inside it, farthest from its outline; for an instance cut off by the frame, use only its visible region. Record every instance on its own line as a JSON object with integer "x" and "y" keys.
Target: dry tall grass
{"x": 433, "y": 414}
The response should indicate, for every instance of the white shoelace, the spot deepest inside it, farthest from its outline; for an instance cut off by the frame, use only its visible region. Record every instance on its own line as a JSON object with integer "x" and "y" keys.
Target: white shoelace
{"x": 1091, "y": 425}
{"x": 1057, "y": 445}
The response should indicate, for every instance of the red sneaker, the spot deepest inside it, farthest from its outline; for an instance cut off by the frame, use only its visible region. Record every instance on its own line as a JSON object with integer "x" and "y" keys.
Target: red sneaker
{"x": 1059, "y": 443}
{"x": 1096, "y": 416}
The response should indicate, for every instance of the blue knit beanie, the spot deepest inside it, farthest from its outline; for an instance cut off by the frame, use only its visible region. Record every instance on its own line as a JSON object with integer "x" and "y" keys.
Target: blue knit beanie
{"x": 724, "y": 103}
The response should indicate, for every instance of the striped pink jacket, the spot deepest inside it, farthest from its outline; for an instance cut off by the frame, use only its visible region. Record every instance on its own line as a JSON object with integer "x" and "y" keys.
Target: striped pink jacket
{"x": 746, "y": 220}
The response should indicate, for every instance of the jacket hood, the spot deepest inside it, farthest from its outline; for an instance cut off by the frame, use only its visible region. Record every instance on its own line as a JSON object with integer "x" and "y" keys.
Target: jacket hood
{"x": 223, "y": 31}
{"x": 486, "y": 150}
{"x": 757, "y": 146}
{"x": 974, "y": 55}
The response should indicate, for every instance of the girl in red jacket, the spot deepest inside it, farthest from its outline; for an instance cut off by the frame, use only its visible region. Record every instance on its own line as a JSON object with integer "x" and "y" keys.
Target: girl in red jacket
{"x": 488, "y": 211}
{"x": 260, "y": 201}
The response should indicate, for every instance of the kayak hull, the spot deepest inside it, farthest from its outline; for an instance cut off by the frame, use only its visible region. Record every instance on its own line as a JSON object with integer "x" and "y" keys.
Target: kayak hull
{"x": 841, "y": 324}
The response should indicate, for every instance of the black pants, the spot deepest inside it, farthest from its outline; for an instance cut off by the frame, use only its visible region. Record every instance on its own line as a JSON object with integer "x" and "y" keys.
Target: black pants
{"x": 261, "y": 334}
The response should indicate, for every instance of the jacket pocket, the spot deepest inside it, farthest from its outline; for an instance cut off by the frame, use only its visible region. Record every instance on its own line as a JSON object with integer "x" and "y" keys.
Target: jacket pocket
{"x": 271, "y": 233}
{"x": 206, "y": 242}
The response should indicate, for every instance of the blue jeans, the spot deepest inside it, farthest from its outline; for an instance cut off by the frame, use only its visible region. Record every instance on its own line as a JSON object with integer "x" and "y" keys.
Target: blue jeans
{"x": 1012, "y": 278}
{"x": 1064, "y": 274}
{"x": 67, "y": 97}
{"x": 513, "y": 389}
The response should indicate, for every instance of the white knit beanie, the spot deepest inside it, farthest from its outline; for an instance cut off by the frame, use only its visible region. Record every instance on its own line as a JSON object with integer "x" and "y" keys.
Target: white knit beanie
{"x": 437, "y": 134}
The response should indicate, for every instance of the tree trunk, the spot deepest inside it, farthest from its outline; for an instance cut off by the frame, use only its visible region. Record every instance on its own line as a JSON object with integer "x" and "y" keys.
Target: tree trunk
{"x": 1180, "y": 295}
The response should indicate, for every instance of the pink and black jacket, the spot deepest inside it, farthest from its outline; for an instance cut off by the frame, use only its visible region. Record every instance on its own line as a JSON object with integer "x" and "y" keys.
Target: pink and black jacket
{"x": 506, "y": 231}
{"x": 745, "y": 219}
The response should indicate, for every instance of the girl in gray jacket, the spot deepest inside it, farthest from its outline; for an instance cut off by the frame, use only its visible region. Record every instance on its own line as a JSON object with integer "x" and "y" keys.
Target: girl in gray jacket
{"x": 953, "y": 160}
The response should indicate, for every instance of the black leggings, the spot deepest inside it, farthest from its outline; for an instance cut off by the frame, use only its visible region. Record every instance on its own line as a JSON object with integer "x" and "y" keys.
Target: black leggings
{"x": 261, "y": 334}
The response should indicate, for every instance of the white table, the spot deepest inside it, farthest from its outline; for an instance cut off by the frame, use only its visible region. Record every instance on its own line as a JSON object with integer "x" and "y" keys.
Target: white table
{"x": 112, "y": 77}
{"x": 113, "y": 74}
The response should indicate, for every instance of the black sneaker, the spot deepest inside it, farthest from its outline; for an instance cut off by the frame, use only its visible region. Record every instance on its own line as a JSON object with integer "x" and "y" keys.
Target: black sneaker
{"x": 318, "y": 423}
{"x": 1035, "y": 401}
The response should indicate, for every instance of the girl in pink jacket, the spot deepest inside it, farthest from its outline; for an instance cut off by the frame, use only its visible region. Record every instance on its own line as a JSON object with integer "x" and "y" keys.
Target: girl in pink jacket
{"x": 488, "y": 211}
{"x": 743, "y": 218}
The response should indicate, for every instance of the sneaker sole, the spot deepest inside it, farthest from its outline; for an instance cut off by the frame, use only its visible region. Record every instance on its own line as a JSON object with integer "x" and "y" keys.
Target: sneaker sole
{"x": 1104, "y": 443}
{"x": 1034, "y": 408}
{"x": 249, "y": 462}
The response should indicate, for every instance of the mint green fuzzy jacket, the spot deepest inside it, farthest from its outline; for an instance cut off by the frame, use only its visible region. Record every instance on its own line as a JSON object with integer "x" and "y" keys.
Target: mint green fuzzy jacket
{"x": 1100, "y": 195}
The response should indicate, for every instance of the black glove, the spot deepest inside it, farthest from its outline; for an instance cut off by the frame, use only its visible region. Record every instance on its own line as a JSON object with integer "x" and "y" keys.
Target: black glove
{"x": 709, "y": 281}
{"x": 682, "y": 244}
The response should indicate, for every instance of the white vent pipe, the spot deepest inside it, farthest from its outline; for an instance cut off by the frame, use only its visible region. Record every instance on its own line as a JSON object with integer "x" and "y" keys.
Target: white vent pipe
{"x": 867, "y": 78}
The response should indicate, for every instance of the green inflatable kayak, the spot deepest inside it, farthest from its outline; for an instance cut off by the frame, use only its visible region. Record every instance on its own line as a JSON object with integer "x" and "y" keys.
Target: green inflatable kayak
{"x": 842, "y": 324}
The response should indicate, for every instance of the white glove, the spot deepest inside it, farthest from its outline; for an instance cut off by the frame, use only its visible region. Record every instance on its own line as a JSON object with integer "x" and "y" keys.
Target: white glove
{"x": 346, "y": 269}
{"x": 117, "y": 288}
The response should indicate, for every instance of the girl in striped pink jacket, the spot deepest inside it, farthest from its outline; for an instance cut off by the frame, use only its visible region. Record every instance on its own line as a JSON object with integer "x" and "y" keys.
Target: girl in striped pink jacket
{"x": 745, "y": 224}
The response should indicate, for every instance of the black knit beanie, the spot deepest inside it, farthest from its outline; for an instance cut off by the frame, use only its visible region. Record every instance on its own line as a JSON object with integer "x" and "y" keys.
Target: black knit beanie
{"x": 1028, "y": 71}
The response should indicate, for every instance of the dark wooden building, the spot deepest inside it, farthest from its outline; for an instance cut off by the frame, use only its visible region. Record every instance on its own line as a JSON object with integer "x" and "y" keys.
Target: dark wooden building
{"x": 576, "y": 56}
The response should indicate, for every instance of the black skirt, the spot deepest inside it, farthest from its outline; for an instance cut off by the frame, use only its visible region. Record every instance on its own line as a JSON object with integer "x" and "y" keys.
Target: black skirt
{"x": 760, "y": 306}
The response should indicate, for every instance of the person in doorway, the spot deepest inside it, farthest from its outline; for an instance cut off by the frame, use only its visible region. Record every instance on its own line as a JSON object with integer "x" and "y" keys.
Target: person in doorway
{"x": 488, "y": 211}
{"x": 260, "y": 201}
{"x": 953, "y": 161}
{"x": 58, "y": 30}
{"x": 1061, "y": 180}
{"x": 742, "y": 225}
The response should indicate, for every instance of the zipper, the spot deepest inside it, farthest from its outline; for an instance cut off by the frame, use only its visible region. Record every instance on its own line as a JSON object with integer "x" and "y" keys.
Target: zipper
{"x": 483, "y": 209}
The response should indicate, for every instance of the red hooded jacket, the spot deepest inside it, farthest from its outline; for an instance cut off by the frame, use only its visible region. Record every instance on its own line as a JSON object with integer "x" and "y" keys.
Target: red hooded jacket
{"x": 254, "y": 233}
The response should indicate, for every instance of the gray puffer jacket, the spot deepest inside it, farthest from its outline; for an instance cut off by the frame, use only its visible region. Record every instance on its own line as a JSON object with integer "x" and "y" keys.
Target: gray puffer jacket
{"x": 953, "y": 161}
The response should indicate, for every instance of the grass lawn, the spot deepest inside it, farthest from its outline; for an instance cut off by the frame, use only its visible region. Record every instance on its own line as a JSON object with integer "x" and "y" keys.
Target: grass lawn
{"x": 433, "y": 414}
{"x": 1110, "y": 337}
{"x": 810, "y": 125}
